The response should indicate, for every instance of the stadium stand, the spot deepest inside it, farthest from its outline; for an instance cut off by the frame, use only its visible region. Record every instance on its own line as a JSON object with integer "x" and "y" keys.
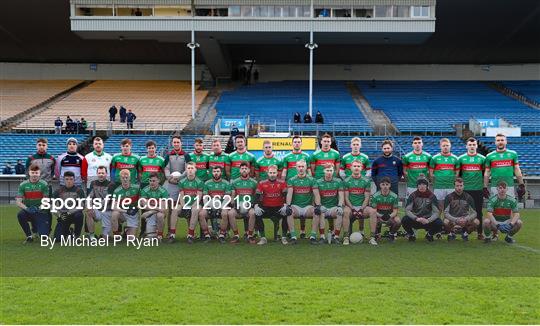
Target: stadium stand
{"x": 20, "y": 146}
{"x": 528, "y": 88}
{"x": 528, "y": 149}
{"x": 158, "y": 105}
{"x": 273, "y": 105}
{"x": 18, "y": 96}
{"x": 435, "y": 106}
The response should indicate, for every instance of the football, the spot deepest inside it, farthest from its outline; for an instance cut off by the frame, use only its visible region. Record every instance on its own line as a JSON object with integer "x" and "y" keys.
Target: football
{"x": 356, "y": 237}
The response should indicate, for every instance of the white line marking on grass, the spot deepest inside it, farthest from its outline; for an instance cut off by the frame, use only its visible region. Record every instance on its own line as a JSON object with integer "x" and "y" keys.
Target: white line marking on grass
{"x": 536, "y": 251}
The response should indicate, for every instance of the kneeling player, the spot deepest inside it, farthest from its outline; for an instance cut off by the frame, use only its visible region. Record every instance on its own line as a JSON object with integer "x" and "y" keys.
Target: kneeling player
{"x": 29, "y": 197}
{"x": 383, "y": 210}
{"x": 68, "y": 217}
{"x": 459, "y": 213}
{"x": 357, "y": 192}
{"x": 191, "y": 189}
{"x": 422, "y": 212}
{"x": 155, "y": 197}
{"x": 243, "y": 187}
{"x": 331, "y": 192}
{"x": 502, "y": 214}
{"x": 127, "y": 194}
{"x": 99, "y": 188}
{"x": 270, "y": 198}
{"x": 215, "y": 193}
{"x": 302, "y": 192}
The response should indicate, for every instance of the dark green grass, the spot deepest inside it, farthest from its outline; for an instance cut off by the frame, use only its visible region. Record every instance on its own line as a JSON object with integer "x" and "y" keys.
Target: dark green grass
{"x": 394, "y": 283}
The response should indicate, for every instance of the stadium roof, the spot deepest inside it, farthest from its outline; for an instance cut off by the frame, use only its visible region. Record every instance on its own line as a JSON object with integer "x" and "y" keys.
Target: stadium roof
{"x": 476, "y": 32}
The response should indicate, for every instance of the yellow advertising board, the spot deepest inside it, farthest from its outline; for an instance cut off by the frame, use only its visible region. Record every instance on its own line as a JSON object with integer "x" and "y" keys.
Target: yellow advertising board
{"x": 281, "y": 144}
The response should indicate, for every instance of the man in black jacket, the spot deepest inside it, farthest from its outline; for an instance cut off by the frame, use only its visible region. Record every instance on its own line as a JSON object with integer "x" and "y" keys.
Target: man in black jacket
{"x": 112, "y": 113}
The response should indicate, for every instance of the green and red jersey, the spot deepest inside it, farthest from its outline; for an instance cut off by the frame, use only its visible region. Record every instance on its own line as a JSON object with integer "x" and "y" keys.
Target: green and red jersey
{"x": 416, "y": 164}
{"x": 131, "y": 193}
{"x": 214, "y": 188}
{"x": 384, "y": 204}
{"x": 245, "y": 189}
{"x": 357, "y": 188}
{"x": 262, "y": 164}
{"x": 320, "y": 158}
{"x": 289, "y": 163}
{"x": 158, "y": 193}
{"x": 347, "y": 159}
{"x": 444, "y": 170}
{"x": 302, "y": 190}
{"x": 236, "y": 159}
{"x": 502, "y": 209}
{"x": 329, "y": 191}
{"x": 471, "y": 168}
{"x": 502, "y": 166}
{"x": 33, "y": 192}
{"x": 220, "y": 160}
{"x": 120, "y": 162}
{"x": 148, "y": 165}
{"x": 191, "y": 189}
{"x": 201, "y": 162}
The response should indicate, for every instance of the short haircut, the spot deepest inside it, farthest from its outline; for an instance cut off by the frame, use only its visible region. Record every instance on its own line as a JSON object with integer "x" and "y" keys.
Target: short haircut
{"x": 417, "y": 138}
{"x": 150, "y": 143}
{"x": 240, "y": 137}
{"x": 444, "y": 140}
{"x": 301, "y": 161}
{"x": 385, "y": 180}
{"x": 297, "y": 137}
{"x": 216, "y": 168}
{"x": 125, "y": 141}
{"x": 357, "y": 161}
{"x": 177, "y": 136}
{"x": 356, "y": 139}
{"x": 471, "y": 139}
{"x": 97, "y": 138}
{"x": 216, "y": 140}
{"x": 199, "y": 141}
{"x": 502, "y": 184}
{"x": 101, "y": 167}
{"x": 328, "y": 166}
{"x": 153, "y": 175}
{"x": 500, "y": 135}
{"x": 273, "y": 167}
{"x": 125, "y": 172}
{"x": 42, "y": 140}
{"x": 267, "y": 142}
{"x": 458, "y": 180}
{"x": 34, "y": 167}
{"x": 244, "y": 164}
{"x": 326, "y": 136}
{"x": 68, "y": 174}
{"x": 387, "y": 142}
{"x": 191, "y": 163}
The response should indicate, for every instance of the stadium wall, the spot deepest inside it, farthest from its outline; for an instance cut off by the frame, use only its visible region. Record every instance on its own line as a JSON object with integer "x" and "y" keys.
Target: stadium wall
{"x": 48, "y": 71}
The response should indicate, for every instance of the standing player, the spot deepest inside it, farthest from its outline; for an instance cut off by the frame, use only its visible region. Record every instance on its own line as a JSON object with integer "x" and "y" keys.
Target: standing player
{"x": 471, "y": 167}
{"x": 92, "y": 161}
{"x": 191, "y": 190}
{"x": 67, "y": 217}
{"x": 243, "y": 187}
{"x": 219, "y": 158}
{"x": 290, "y": 171}
{"x": 71, "y": 161}
{"x": 302, "y": 193}
{"x": 175, "y": 161}
{"x": 357, "y": 192}
{"x": 127, "y": 194}
{"x": 442, "y": 171}
{"x": 354, "y": 155}
{"x": 99, "y": 188}
{"x": 216, "y": 192}
{"x": 271, "y": 197}
{"x": 323, "y": 156}
{"x": 502, "y": 214}
{"x": 125, "y": 161}
{"x": 29, "y": 197}
{"x": 502, "y": 165}
{"x": 459, "y": 213}
{"x": 154, "y": 216}
{"x": 201, "y": 160}
{"x": 262, "y": 164}
{"x": 241, "y": 155}
{"x": 387, "y": 165}
{"x": 415, "y": 163}
{"x": 151, "y": 163}
{"x": 383, "y": 210}
{"x": 331, "y": 192}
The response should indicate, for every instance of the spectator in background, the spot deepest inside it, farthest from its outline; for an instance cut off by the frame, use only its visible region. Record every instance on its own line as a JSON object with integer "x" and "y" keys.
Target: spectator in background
{"x": 373, "y": 84}
{"x": 387, "y": 165}
{"x": 256, "y": 75}
{"x": 58, "y": 125}
{"x": 84, "y": 125}
{"x": 123, "y": 114}
{"x": 20, "y": 168}
{"x": 7, "y": 169}
{"x": 138, "y": 12}
{"x": 68, "y": 119}
{"x": 112, "y": 113}
{"x": 297, "y": 118}
{"x": 319, "y": 117}
{"x": 78, "y": 126}
{"x": 69, "y": 125}
{"x": 307, "y": 118}
{"x": 234, "y": 130}
{"x": 130, "y": 117}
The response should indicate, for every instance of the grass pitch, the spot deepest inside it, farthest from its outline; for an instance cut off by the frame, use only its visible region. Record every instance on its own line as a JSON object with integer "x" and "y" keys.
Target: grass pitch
{"x": 403, "y": 282}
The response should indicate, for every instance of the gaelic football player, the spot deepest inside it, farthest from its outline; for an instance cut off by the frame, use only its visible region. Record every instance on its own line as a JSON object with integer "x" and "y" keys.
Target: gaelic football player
{"x": 241, "y": 155}
{"x": 502, "y": 214}
{"x": 357, "y": 192}
{"x": 153, "y": 197}
{"x": 442, "y": 171}
{"x": 97, "y": 158}
{"x": 68, "y": 217}
{"x": 415, "y": 163}
{"x": 100, "y": 188}
{"x": 29, "y": 197}
{"x": 268, "y": 158}
{"x": 127, "y": 193}
{"x": 220, "y": 159}
{"x": 332, "y": 200}
{"x": 216, "y": 193}
{"x": 125, "y": 161}
{"x": 191, "y": 189}
{"x": 354, "y": 155}
{"x": 245, "y": 188}
{"x": 323, "y": 156}
{"x": 459, "y": 212}
{"x": 383, "y": 210}
{"x": 201, "y": 160}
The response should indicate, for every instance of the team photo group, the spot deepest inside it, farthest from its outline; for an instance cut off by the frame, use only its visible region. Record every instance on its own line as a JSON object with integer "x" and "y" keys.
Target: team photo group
{"x": 141, "y": 196}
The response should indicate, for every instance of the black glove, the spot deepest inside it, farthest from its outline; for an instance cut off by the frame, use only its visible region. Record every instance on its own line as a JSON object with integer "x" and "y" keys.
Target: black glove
{"x": 486, "y": 193}
{"x": 317, "y": 210}
{"x": 132, "y": 211}
{"x": 520, "y": 191}
{"x": 63, "y": 216}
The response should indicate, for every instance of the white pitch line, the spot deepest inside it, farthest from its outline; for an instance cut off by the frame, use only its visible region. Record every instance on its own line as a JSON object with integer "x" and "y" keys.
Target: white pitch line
{"x": 526, "y": 248}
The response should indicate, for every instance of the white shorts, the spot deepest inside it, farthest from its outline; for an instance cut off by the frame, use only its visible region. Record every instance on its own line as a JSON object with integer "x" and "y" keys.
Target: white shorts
{"x": 357, "y": 208}
{"x": 301, "y": 210}
{"x": 151, "y": 224}
{"x": 442, "y": 193}
{"x": 329, "y": 212}
{"x": 510, "y": 190}
{"x": 132, "y": 221}
{"x": 173, "y": 190}
{"x": 241, "y": 211}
